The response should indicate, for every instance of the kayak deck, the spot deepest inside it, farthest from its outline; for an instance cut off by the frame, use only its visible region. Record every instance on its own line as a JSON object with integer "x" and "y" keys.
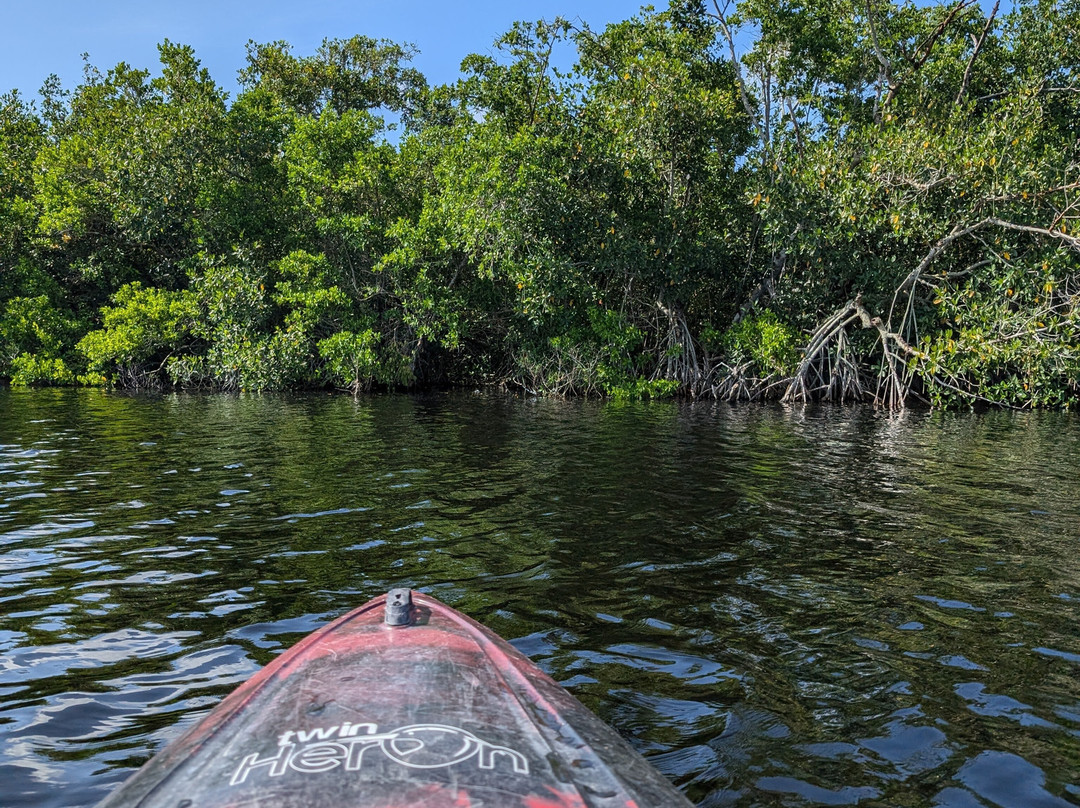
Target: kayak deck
{"x": 436, "y": 711}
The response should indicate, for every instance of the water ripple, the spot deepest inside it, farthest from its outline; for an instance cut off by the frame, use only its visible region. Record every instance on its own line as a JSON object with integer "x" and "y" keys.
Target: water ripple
{"x": 779, "y": 607}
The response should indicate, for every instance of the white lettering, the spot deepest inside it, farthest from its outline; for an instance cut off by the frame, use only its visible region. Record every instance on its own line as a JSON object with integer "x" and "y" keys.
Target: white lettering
{"x": 357, "y": 747}
{"x": 320, "y": 757}
{"x": 488, "y": 753}
{"x": 277, "y": 764}
{"x": 417, "y": 746}
{"x": 317, "y": 734}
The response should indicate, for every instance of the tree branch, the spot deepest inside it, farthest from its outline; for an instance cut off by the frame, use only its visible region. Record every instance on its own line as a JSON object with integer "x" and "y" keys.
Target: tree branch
{"x": 974, "y": 53}
{"x": 922, "y": 53}
{"x": 719, "y": 15}
{"x": 1070, "y": 241}
{"x": 928, "y": 44}
{"x": 937, "y": 249}
{"x": 795, "y": 124}
{"x": 885, "y": 74}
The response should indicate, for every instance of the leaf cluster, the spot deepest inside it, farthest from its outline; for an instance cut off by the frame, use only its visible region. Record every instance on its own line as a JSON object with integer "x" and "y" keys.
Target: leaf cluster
{"x": 877, "y": 200}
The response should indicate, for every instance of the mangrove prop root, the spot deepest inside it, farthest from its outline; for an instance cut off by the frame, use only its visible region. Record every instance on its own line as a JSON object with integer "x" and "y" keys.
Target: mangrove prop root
{"x": 830, "y": 371}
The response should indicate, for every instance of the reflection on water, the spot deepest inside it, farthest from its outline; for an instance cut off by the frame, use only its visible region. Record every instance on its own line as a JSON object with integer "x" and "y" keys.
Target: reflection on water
{"x": 809, "y": 607}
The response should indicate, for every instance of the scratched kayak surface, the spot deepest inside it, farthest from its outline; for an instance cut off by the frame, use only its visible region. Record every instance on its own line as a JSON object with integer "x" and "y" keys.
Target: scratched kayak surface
{"x": 402, "y": 702}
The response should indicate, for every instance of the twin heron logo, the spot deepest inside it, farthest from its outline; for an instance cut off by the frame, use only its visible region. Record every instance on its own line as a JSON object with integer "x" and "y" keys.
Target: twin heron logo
{"x": 416, "y": 746}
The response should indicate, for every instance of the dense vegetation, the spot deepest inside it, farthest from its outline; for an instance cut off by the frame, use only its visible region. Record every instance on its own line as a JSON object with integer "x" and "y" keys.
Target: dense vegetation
{"x": 870, "y": 201}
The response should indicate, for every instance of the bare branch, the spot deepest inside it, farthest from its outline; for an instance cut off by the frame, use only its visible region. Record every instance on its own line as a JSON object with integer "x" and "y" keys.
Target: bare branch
{"x": 832, "y": 331}
{"x": 1070, "y": 241}
{"x": 795, "y": 124}
{"x": 922, "y": 53}
{"x": 927, "y": 46}
{"x": 962, "y": 273}
{"x": 975, "y": 52}
{"x": 885, "y": 74}
{"x": 937, "y": 249}
{"x": 719, "y": 15}
{"x": 877, "y": 323}
{"x": 1025, "y": 195}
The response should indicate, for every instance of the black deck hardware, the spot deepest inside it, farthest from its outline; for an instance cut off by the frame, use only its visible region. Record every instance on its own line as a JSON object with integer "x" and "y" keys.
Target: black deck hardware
{"x": 398, "y": 607}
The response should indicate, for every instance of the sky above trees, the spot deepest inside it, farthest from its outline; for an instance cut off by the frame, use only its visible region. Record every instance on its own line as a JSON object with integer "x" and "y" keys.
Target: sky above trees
{"x": 49, "y": 36}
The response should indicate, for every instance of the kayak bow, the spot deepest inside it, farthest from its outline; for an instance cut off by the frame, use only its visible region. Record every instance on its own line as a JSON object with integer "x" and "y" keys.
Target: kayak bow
{"x": 402, "y": 702}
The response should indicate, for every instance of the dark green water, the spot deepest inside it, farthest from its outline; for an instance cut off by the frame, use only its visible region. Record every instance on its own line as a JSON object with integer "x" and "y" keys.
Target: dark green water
{"x": 819, "y": 607}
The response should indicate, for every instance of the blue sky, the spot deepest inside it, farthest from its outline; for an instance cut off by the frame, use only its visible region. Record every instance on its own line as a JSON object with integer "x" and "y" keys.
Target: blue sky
{"x": 48, "y": 36}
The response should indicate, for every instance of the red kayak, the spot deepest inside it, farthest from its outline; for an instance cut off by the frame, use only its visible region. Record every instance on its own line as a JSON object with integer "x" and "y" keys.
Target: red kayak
{"x": 401, "y": 703}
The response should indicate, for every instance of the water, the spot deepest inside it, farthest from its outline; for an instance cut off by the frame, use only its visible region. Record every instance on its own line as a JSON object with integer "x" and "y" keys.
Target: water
{"x": 778, "y": 607}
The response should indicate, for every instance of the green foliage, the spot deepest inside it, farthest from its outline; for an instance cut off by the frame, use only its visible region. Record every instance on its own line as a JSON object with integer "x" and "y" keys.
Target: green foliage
{"x": 617, "y": 348}
{"x": 343, "y": 75}
{"x": 36, "y": 370}
{"x": 246, "y": 201}
{"x": 22, "y": 135}
{"x": 250, "y": 346}
{"x": 920, "y": 182}
{"x": 639, "y": 389}
{"x": 30, "y": 324}
{"x": 358, "y": 360}
{"x": 1014, "y": 340}
{"x": 871, "y": 200}
{"x": 119, "y": 181}
{"x": 141, "y": 331}
{"x": 34, "y": 341}
{"x": 764, "y": 342}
